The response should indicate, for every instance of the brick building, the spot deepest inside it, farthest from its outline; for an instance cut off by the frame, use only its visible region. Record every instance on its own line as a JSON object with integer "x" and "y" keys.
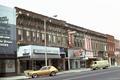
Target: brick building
{"x": 69, "y": 39}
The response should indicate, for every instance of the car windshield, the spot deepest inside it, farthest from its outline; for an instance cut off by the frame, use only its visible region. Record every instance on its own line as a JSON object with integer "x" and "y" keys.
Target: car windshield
{"x": 44, "y": 68}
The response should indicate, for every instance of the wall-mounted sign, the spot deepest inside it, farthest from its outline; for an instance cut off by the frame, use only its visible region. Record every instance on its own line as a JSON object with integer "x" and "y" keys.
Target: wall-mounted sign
{"x": 4, "y": 19}
{"x": 7, "y": 30}
{"x": 28, "y": 50}
{"x": 78, "y": 53}
{"x": 70, "y": 38}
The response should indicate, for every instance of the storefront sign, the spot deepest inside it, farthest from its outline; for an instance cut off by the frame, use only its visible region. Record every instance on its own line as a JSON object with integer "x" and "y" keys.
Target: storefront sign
{"x": 78, "y": 53}
{"x": 43, "y": 49}
{"x": 34, "y": 49}
{"x": 70, "y": 38}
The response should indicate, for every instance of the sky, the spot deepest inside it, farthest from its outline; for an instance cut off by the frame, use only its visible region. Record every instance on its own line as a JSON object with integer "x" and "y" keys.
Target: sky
{"x": 98, "y": 15}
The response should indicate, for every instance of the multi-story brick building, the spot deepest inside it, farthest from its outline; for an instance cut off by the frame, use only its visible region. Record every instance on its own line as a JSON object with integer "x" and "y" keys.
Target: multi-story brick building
{"x": 31, "y": 32}
{"x": 117, "y": 52}
{"x": 111, "y": 49}
{"x": 76, "y": 46}
{"x": 41, "y": 38}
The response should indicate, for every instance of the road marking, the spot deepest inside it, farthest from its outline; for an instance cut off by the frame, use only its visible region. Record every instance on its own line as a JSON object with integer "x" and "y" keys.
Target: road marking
{"x": 89, "y": 75}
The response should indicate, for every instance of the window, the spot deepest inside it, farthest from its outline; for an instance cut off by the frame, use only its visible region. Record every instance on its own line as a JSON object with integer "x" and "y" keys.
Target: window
{"x": 43, "y": 37}
{"x": 34, "y": 36}
{"x": 38, "y": 36}
{"x": 54, "y": 39}
{"x": 49, "y": 38}
{"x": 28, "y": 35}
{"x": 44, "y": 68}
{"x": 20, "y": 34}
{"x": 63, "y": 40}
{"x": 59, "y": 39}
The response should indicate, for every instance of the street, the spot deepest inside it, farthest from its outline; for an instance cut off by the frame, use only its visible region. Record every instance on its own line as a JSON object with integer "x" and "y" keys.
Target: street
{"x": 103, "y": 74}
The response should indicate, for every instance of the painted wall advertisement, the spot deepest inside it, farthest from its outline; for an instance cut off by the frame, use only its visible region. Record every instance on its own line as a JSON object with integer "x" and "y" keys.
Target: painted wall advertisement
{"x": 7, "y": 30}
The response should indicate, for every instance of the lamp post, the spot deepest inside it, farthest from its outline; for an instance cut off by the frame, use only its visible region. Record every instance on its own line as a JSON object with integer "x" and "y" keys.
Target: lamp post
{"x": 45, "y": 44}
{"x": 45, "y": 20}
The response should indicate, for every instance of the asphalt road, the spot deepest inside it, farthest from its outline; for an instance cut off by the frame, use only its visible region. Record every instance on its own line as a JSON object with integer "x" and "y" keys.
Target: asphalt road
{"x": 103, "y": 74}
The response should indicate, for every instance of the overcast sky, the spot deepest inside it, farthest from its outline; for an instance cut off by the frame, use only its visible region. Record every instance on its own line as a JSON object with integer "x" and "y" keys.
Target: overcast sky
{"x": 98, "y": 15}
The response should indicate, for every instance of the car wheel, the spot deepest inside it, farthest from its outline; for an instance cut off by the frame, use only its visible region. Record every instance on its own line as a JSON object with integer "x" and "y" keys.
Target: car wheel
{"x": 34, "y": 76}
{"x": 52, "y": 73}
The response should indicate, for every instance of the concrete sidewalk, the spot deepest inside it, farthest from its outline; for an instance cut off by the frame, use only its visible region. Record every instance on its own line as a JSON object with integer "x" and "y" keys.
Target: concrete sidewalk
{"x": 24, "y": 77}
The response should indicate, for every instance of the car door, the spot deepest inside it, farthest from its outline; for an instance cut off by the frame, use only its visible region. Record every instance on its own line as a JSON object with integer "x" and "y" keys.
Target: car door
{"x": 44, "y": 71}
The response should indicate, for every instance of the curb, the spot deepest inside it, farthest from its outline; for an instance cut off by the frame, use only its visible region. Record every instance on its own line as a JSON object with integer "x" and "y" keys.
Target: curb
{"x": 14, "y": 78}
{"x": 78, "y": 70}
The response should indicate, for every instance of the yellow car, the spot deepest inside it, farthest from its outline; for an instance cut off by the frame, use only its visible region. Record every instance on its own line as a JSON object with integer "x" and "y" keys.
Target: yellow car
{"x": 45, "y": 70}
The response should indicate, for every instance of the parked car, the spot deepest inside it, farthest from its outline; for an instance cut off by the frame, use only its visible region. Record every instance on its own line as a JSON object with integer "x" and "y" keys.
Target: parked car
{"x": 100, "y": 64}
{"x": 45, "y": 70}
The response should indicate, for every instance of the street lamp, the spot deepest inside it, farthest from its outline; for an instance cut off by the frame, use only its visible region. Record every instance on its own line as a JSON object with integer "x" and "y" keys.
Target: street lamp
{"x": 45, "y": 44}
{"x": 45, "y": 20}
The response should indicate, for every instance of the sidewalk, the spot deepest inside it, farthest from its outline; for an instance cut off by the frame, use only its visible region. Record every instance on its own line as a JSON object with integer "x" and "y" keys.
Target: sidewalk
{"x": 24, "y": 77}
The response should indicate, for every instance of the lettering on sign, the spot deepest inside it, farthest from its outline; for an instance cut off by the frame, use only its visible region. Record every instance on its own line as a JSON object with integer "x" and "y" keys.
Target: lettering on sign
{"x": 4, "y": 19}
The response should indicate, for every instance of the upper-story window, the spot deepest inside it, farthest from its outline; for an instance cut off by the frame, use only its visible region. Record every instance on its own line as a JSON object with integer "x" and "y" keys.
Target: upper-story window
{"x": 38, "y": 36}
{"x": 51, "y": 38}
{"x": 34, "y": 36}
{"x": 58, "y": 39}
{"x": 54, "y": 39}
{"x": 64, "y": 40}
{"x": 28, "y": 35}
{"x": 43, "y": 37}
{"x": 20, "y": 34}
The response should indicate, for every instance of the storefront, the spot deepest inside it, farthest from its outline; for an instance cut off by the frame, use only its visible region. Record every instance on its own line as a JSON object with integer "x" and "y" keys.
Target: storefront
{"x": 7, "y": 41}
{"x": 74, "y": 58}
{"x": 87, "y": 58}
{"x": 79, "y": 58}
{"x": 33, "y": 57}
